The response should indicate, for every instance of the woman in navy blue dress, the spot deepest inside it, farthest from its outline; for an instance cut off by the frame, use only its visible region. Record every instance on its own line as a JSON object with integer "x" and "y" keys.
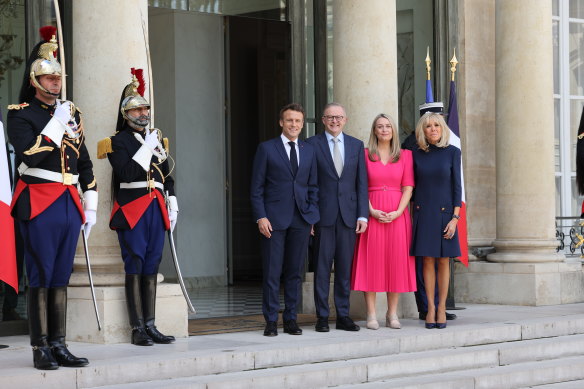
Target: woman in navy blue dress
{"x": 436, "y": 209}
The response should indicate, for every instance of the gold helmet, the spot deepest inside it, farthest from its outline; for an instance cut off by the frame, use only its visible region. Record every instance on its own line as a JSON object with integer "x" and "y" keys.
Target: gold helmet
{"x": 132, "y": 96}
{"x": 45, "y": 64}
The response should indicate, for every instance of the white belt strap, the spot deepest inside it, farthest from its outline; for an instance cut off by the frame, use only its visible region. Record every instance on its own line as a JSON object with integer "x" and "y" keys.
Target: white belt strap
{"x": 65, "y": 179}
{"x": 141, "y": 185}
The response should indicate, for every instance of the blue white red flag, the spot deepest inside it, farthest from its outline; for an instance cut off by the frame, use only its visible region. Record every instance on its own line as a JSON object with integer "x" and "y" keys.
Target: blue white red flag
{"x": 8, "y": 271}
{"x": 455, "y": 141}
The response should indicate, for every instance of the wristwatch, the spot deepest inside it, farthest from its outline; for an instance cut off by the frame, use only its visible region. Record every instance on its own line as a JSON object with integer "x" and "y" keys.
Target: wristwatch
{"x": 456, "y": 216}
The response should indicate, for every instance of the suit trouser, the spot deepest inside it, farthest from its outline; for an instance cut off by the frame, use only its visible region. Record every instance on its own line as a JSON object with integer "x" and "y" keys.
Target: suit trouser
{"x": 283, "y": 255}
{"x": 336, "y": 244}
{"x": 50, "y": 240}
{"x": 142, "y": 245}
{"x": 420, "y": 293}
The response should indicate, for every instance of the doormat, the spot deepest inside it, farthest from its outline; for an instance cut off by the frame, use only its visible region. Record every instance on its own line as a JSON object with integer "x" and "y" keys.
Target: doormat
{"x": 220, "y": 325}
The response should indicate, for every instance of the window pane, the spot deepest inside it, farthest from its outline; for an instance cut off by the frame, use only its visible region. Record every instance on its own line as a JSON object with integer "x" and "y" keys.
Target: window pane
{"x": 558, "y": 197}
{"x": 575, "y": 113}
{"x": 557, "y": 134}
{"x": 576, "y": 66}
{"x": 576, "y": 199}
{"x": 556, "y": 58}
{"x": 576, "y": 9}
{"x": 555, "y": 7}
{"x": 266, "y": 9}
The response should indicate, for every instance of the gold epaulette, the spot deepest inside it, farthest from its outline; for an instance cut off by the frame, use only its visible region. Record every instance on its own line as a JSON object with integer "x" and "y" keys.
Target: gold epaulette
{"x": 17, "y": 106}
{"x": 166, "y": 145}
{"x": 78, "y": 110}
{"x": 104, "y": 147}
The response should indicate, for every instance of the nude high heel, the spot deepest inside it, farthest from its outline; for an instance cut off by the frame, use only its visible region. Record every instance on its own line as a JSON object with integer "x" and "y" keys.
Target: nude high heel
{"x": 372, "y": 322}
{"x": 392, "y": 321}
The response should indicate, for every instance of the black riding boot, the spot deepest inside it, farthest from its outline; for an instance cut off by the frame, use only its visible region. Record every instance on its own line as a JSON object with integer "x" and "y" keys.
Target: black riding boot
{"x": 148, "y": 288}
{"x": 37, "y": 323}
{"x": 58, "y": 329}
{"x": 134, "y": 303}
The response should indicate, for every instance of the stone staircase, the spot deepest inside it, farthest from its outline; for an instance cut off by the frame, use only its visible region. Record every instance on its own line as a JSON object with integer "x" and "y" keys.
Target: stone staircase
{"x": 543, "y": 352}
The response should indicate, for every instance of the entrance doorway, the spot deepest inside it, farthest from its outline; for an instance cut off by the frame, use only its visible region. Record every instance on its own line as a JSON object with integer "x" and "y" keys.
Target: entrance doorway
{"x": 220, "y": 82}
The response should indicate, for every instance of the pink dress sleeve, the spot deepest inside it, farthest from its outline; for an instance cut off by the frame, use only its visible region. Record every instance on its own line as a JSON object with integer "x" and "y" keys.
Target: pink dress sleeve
{"x": 408, "y": 163}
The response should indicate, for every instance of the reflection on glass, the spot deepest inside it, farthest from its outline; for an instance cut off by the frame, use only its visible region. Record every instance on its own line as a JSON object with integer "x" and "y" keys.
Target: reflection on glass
{"x": 575, "y": 114}
{"x": 265, "y": 9}
{"x": 556, "y": 57}
{"x": 557, "y": 134}
{"x": 558, "y": 197}
{"x": 576, "y": 9}
{"x": 576, "y": 70}
{"x": 576, "y": 199}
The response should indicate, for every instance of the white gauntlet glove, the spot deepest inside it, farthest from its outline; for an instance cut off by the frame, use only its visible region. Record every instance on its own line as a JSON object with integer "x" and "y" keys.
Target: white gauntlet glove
{"x": 151, "y": 138}
{"x": 172, "y": 212}
{"x": 90, "y": 210}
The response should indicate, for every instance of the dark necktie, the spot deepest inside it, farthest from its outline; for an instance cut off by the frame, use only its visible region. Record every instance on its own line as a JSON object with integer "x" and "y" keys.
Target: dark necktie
{"x": 293, "y": 158}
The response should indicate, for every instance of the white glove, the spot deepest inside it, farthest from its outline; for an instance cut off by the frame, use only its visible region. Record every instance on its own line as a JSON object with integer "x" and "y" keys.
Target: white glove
{"x": 172, "y": 216}
{"x": 151, "y": 138}
{"x": 63, "y": 112}
{"x": 172, "y": 211}
{"x": 90, "y": 219}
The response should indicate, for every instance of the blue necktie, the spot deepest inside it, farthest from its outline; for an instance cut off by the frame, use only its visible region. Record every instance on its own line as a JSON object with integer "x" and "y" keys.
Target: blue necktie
{"x": 293, "y": 158}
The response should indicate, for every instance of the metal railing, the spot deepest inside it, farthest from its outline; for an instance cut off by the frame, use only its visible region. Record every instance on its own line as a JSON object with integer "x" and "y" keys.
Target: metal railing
{"x": 570, "y": 236}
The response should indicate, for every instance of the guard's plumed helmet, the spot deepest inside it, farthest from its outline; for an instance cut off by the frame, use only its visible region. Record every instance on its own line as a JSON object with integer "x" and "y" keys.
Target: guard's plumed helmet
{"x": 41, "y": 62}
{"x": 133, "y": 96}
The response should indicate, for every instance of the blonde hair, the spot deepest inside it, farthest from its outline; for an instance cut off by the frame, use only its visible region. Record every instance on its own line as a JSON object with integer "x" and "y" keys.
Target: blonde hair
{"x": 394, "y": 145}
{"x": 423, "y": 122}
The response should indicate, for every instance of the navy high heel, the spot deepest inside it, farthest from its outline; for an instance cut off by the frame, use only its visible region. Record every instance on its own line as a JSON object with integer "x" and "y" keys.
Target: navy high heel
{"x": 431, "y": 325}
{"x": 441, "y": 326}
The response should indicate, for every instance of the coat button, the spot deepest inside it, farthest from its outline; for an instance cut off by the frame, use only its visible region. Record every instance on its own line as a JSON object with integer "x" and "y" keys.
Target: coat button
{"x": 442, "y": 209}
{"x": 417, "y": 207}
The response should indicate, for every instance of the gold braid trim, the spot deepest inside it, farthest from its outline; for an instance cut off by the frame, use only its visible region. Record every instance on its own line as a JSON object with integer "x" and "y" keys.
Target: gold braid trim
{"x": 166, "y": 145}
{"x": 104, "y": 147}
{"x": 91, "y": 184}
{"x": 36, "y": 149}
{"x": 159, "y": 171}
{"x": 72, "y": 146}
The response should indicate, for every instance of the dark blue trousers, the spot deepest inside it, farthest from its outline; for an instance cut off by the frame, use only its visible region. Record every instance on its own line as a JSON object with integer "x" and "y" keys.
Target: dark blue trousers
{"x": 283, "y": 255}
{"x": 142, "y": 246}
{"x": 421, "y": 298}
{"x": 336, "y": 244}
{"x": 50, "y": 240}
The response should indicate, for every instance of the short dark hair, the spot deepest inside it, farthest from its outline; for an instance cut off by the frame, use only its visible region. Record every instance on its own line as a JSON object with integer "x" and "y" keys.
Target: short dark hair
{"x": 292, "y": 107}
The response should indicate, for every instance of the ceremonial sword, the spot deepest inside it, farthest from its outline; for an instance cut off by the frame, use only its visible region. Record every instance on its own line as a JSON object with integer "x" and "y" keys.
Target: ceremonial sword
{"x": 64, "y": 97}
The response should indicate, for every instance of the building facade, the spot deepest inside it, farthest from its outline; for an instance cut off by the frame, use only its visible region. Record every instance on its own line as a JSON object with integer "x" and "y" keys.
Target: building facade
{"x": 221, "y": 69}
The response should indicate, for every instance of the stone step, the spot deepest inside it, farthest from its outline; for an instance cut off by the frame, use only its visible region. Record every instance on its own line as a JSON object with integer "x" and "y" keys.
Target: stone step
{"x": 541, "y": 374}
{"x": 496, "y": 332}
{"x": 416, "y": 365}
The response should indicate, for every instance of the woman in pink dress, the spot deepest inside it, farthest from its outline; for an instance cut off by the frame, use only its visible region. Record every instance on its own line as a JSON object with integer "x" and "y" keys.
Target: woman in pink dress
{"x": 382, "y": 262}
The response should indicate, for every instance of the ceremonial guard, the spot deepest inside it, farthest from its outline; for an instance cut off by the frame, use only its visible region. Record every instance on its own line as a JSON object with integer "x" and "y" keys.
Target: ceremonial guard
{"x": 48, "y": 137}
{"x": 144, "y": 208}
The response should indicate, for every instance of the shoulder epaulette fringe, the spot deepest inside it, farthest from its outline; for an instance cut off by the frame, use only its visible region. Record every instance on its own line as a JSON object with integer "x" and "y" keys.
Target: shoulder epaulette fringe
{"x": 17, "y": 106}
{"x": 104, "y": 147}
{"x": 166, "y": 145}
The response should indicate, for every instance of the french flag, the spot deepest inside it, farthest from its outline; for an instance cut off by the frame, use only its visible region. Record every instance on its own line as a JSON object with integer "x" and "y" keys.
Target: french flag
{"x": 8, "y": 271}
{"x": 455, "y": 141}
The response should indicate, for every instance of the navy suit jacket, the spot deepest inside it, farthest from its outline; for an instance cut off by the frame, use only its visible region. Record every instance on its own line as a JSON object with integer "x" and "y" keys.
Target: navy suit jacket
{"x": 275, "y": 191}
{"x": 347, "y": 194}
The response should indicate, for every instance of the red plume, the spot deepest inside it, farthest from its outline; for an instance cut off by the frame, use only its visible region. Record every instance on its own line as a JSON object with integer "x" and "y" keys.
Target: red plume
{"x": 47, "y": 32}
{"x": 139, "y": 73}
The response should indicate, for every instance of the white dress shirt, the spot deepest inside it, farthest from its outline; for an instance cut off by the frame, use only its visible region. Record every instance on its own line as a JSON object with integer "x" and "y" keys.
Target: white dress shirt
{"x": 288, "y": 148}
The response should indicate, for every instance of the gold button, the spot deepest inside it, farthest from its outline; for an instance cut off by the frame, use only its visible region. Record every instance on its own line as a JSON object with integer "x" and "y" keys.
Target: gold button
{"x": 417, "y": 207}
{"x": 67, "y": 157}
{"x": 68, "y": 168}
{"x": 442, "y": 209}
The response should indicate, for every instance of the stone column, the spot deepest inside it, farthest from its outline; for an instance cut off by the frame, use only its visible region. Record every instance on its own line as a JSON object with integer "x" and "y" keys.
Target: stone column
{"x": 365, "y": 62}
{"x": 102, "y": 58}
{"x": 526, "y": 269}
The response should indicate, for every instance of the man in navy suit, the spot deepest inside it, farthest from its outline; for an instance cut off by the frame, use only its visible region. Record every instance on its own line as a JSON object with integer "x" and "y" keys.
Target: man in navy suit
{"x": 284, "y": 196}
{"x": 344, "y": 208}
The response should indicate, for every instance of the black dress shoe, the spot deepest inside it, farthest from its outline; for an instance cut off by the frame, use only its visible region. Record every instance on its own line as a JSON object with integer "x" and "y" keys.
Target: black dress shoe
{"x": 291, "y": 327}
{"x": 322, "y": 325}
{"x": 449, "y": 316}
{"x": 43, "y": 358}
{"x": 347, "y": 324}
{"x": 271, "y": 329}
{"x": 157, "y": 336}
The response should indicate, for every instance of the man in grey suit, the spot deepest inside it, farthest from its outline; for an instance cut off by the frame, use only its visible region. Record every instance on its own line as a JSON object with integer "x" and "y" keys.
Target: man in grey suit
{"x": 344, "y": 207}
